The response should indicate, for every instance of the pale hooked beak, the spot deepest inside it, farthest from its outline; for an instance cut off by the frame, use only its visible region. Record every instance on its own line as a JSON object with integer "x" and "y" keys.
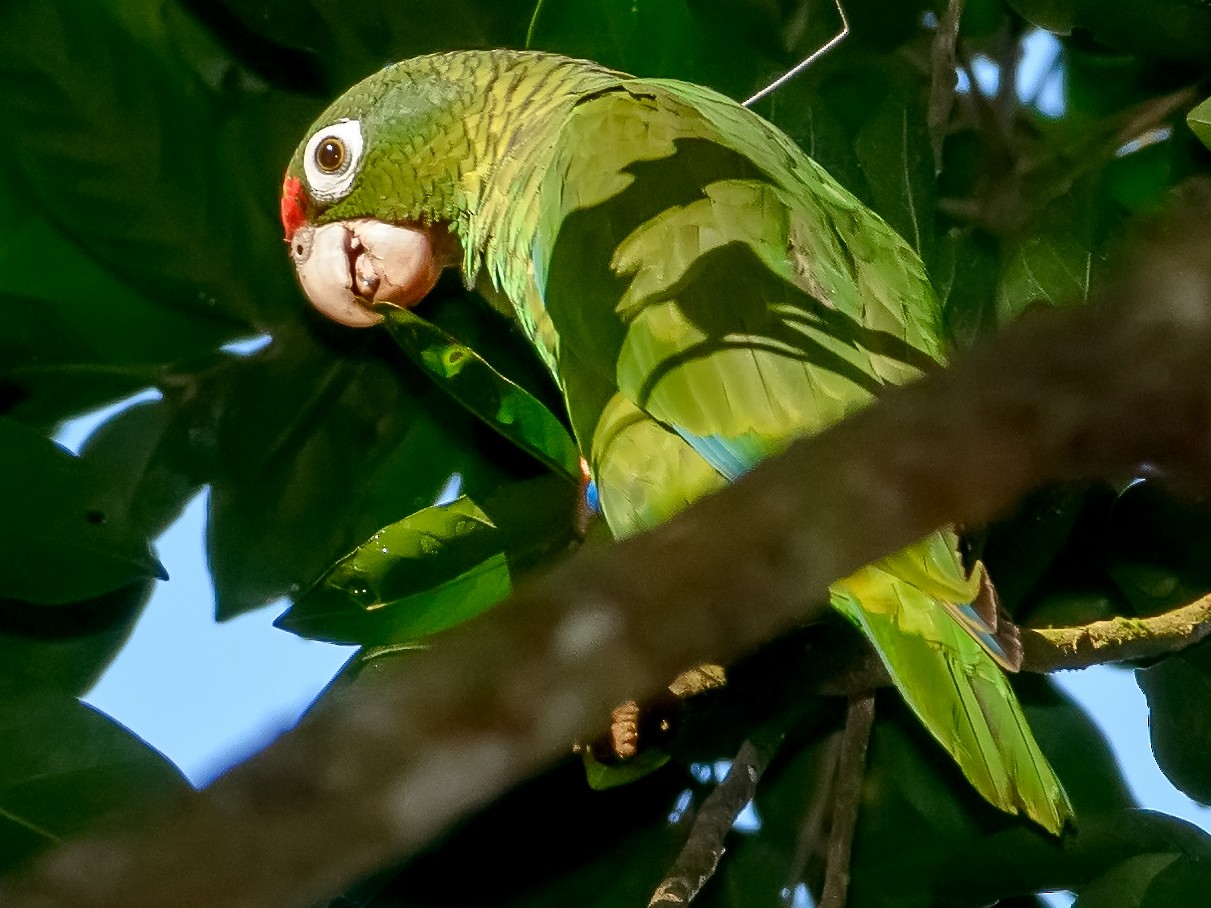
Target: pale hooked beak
{"x": 348, "y": 266}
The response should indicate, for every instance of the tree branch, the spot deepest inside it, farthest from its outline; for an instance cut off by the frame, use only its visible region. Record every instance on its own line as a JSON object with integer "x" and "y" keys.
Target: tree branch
{"x": 386, "y": 768}
{"x": 942, "y": 79}
{"x": 1116, "y": 639}
{"x": 851, "y": 773}
{"x": 696, "y": 862}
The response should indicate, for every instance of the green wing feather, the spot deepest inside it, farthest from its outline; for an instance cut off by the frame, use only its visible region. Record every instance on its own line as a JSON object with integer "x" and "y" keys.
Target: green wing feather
{"x": 706, "y": 293}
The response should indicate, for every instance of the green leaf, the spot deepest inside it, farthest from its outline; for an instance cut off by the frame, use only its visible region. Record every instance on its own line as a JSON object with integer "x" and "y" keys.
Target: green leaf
{"x": 1169, "y": 29}
{"x": 438, "y": 567}
{"x": 965, "y": 271}
{"x": 159, "y": 171}
{"x": 1184, "y": 883}
{"x": 143, "y": 452}
{"x": 604, "y": 776}
{"x": 86, "y": 314}
{"x": 1058, "y": 261}
{"x": 991, "y": 867}
{"x": 65, "y": 535}
{"x": 505, "y": 406}
{"x": 1157, "y": 548}
{"x": 894, "y": 150}
{"x": 327, "y": 431}
{"x": 1178, "y": 689}
{"x": 1124, "y": 885}
{"x": 430, "y": 571}
{"x": 1199, "y": 121}
{"x": 65, "y": 766}
{"x": 65, "y": 648}
{"x": 963, "y": 851}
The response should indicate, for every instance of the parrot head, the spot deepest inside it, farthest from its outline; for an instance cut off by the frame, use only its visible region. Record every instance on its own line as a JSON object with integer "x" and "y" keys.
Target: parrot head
{"x": 360, "y": 230}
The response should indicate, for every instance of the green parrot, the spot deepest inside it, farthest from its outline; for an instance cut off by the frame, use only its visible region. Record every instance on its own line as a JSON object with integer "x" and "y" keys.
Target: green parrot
{"x": 702, "y": 292}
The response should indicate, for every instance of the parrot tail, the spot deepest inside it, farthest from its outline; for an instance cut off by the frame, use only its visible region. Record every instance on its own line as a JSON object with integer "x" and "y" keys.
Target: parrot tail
{"x": 957, "y": 690}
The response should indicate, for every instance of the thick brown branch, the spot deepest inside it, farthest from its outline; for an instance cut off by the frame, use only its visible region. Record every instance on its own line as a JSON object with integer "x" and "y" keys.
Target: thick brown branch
{"x": 388, "y": 767}
{"x": 1115, "y": 640}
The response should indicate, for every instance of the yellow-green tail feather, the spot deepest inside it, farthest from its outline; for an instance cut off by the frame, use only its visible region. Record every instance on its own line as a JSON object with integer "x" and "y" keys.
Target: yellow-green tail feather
{"x": 956, "y": 689}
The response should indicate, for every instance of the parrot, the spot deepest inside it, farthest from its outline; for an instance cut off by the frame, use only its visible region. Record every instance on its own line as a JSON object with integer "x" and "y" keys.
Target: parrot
{"x": 702, "y": 292}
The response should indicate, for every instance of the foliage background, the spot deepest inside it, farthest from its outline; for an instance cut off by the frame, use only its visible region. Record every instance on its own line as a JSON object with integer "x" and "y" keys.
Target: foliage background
{"x": 146, "y": 140}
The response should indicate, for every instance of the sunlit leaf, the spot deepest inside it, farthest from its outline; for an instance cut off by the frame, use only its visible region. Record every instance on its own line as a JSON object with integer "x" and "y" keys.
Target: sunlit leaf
{"x": 604, "y": 776}
{"x": 1200, "y": 121}
{"x": 432, "y": 570}
{"x": 506, "y": 407}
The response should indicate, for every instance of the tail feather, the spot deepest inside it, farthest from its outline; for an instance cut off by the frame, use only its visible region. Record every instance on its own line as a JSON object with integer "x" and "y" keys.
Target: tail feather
{"x": 954, "y": 685}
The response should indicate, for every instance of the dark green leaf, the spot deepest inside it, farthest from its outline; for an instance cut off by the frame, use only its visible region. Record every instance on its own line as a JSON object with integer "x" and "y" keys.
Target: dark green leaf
{"x": 964, "y": 852}
{"x": 1184, "y": 883}
{"x": 65, "y": 535}
{"x": 1059, "y": 261}
{"x": 131, "y": 114}
{"x": 330, "y": 434}
{"x": 894, "y": 150}
{"x": 1158, "y": 548}
{"x": 85, "y": 315}
{"x": 65, "y": 648}
{"x": 1169, "y": 29}
{"x": 965, "y": 271}
{"x": 63, "y": 767}
{"x": 1178, "y": 690}
{"x": 144, "y": 456}
{"x": 1124, "y": 885}
{"x": 989, "y": 867}
{"x": 506, "y": 407}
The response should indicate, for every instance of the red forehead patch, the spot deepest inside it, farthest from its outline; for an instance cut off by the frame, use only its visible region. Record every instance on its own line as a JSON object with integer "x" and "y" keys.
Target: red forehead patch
{"x": 293, "y": 214}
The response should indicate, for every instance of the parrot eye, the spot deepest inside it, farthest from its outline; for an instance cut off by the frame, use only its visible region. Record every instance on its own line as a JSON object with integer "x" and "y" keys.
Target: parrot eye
{"x": 330, "y": 155}
{"x": 331, "y": 158}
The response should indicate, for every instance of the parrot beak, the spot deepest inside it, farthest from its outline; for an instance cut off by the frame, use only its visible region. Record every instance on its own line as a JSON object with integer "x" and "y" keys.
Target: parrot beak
{"x": 347, "y": 266}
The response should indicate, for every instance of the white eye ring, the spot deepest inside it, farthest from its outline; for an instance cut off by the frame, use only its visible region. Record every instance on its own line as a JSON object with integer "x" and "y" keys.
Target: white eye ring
{"x": 331, "y": 183}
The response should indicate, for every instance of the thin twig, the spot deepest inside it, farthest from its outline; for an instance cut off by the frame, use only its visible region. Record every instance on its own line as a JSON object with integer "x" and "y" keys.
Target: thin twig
{"x": 943, "y": 78}
{"x": 696, "y": 863}
{"x": 851, "y": 772}
{"x": 1116, "y": 639}
{"x": 811, "y": 842}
